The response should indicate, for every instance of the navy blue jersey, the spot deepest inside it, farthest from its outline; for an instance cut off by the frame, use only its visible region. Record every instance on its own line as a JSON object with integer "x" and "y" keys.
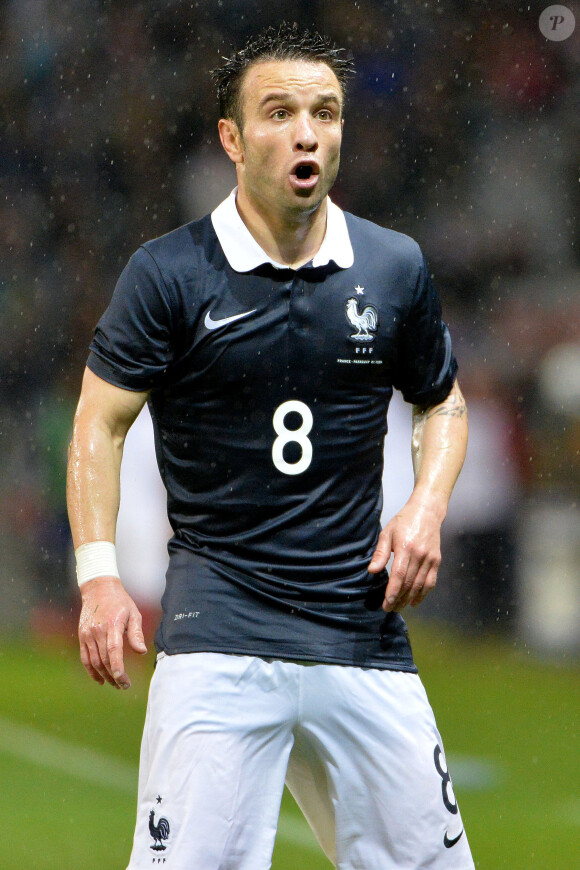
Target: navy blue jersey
{"x": 269, "y": 392}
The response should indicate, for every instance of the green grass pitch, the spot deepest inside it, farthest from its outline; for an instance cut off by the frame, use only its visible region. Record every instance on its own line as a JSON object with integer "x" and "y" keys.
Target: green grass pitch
{"x": 69, "y": 750}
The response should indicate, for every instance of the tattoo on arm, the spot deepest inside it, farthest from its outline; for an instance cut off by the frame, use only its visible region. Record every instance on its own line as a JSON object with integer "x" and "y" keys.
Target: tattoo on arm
{"x": 453, "y": 406}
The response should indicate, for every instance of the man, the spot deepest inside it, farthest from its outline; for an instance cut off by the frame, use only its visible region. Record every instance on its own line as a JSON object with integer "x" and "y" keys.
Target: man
{"x": 267, "y": 338}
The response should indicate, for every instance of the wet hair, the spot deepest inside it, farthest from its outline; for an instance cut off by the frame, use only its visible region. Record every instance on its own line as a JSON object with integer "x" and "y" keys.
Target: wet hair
{"x": 286, "y": 42}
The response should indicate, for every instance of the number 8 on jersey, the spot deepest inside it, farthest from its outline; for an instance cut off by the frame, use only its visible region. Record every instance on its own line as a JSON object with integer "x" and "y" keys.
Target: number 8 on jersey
{"x": 286, "y": 436}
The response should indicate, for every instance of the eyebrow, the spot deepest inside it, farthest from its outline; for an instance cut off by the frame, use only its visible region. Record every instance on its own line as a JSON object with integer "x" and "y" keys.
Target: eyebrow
{"x": 280, "y": 96}
{"x": 330, "y": 98}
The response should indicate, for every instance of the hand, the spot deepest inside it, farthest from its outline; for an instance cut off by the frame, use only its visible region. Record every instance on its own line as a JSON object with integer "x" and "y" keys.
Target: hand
{"x": 108, "y": 613}
{"x": 413, "y": 535}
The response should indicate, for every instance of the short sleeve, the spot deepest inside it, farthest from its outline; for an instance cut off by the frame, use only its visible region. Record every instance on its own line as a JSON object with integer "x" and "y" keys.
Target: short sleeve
{"x": 427, "y": 367}
{"x": 132, "y": 346}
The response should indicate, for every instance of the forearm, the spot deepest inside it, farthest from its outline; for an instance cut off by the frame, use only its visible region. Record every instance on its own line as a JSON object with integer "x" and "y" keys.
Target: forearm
{"x": 103, "y": 418}
{"x": 93, "y": 487}
{"x": 439, "y": 443}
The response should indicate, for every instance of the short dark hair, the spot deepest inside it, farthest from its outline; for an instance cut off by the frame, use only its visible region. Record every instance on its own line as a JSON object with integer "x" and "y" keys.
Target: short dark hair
{"x": 286, "y": 42}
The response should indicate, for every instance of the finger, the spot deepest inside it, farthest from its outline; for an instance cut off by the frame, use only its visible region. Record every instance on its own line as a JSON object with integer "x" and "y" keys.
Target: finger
{"x": 382, "y": 553}
{"x": 115, "y": 653}
{"x": 413, "y": 583}
{"x": 135, "y": 634}
{"x": 428, "y": 587}
{"x": 98, "y": 645}
{"x": 96, "y": 661}
{"x": 111, "y": 652}
{"x": 85, "y": 659}
{"x": 90, "y": 656}
{"x": 396, "y": 585}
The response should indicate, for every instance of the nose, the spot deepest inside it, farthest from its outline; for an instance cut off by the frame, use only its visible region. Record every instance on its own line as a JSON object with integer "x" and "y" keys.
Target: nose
{"x": 305, "y": 134}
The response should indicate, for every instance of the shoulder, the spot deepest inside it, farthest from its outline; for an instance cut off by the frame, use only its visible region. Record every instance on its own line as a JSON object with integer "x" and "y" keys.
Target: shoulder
{"x": 163, "y": 270}
{"x": 369, "y": 238}
{"x": 181, "y": 248}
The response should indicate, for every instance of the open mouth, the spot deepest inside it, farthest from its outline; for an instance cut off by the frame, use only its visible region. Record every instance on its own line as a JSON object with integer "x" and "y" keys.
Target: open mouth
{"x": 305, "y": 176}
{"x": 304, "y": 172}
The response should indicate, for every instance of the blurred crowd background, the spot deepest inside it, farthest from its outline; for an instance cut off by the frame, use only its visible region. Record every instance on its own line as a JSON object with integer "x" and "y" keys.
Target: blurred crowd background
{"x": 462, "y": 130}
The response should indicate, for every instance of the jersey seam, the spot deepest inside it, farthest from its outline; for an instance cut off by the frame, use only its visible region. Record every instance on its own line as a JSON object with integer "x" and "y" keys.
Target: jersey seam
{"x": 170, "y": 297}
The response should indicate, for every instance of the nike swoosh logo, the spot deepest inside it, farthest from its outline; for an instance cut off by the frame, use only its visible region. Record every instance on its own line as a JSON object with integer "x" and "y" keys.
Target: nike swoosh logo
{"x": 449, "y": 843}
{"x": 215, "y": 324}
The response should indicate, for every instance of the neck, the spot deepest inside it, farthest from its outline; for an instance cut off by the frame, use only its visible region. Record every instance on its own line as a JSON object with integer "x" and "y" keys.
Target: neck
{"x": 292, "y": 238}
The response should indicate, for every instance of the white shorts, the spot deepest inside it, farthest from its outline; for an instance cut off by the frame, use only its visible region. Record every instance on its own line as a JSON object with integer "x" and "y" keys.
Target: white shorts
{"x": 358, "y": 748}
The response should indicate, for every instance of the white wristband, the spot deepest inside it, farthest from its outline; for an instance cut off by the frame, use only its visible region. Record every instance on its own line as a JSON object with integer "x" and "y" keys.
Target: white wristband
{"x": 96, "y": 559}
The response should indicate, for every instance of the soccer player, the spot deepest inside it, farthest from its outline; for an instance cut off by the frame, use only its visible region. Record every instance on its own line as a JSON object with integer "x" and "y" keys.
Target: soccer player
{"x": 267, "y": 339}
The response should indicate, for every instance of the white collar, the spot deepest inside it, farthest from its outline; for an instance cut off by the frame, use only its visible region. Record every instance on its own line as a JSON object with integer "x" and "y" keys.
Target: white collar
{"x": 244, "y": 253}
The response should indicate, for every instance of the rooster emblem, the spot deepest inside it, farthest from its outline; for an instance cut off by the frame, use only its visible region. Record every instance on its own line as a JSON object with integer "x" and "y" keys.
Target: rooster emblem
{"x": 159, "y": 831}
{"x": 364, "y": 322}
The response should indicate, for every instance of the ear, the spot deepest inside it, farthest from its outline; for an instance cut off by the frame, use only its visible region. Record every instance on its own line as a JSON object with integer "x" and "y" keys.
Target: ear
{"x": 231, "y": 139}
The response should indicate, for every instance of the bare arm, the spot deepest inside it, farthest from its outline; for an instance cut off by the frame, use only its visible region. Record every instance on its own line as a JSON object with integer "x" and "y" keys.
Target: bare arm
{"x": 439, "y": 443}
{"x": 103, "y": 418}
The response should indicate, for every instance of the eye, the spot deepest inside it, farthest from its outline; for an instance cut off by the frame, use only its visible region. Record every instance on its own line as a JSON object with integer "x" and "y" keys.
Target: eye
{"x": 280, "y": 114}
{"x": 325, "y": 115}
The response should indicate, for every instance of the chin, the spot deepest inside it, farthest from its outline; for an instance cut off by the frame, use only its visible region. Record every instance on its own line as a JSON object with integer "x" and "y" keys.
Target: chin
{"x": 308, "y": 203}
{"x": 310, "y": 198}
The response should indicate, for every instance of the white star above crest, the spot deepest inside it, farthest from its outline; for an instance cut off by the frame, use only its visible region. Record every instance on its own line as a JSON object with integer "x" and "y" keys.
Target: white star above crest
{"x": 359, "y": 289}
